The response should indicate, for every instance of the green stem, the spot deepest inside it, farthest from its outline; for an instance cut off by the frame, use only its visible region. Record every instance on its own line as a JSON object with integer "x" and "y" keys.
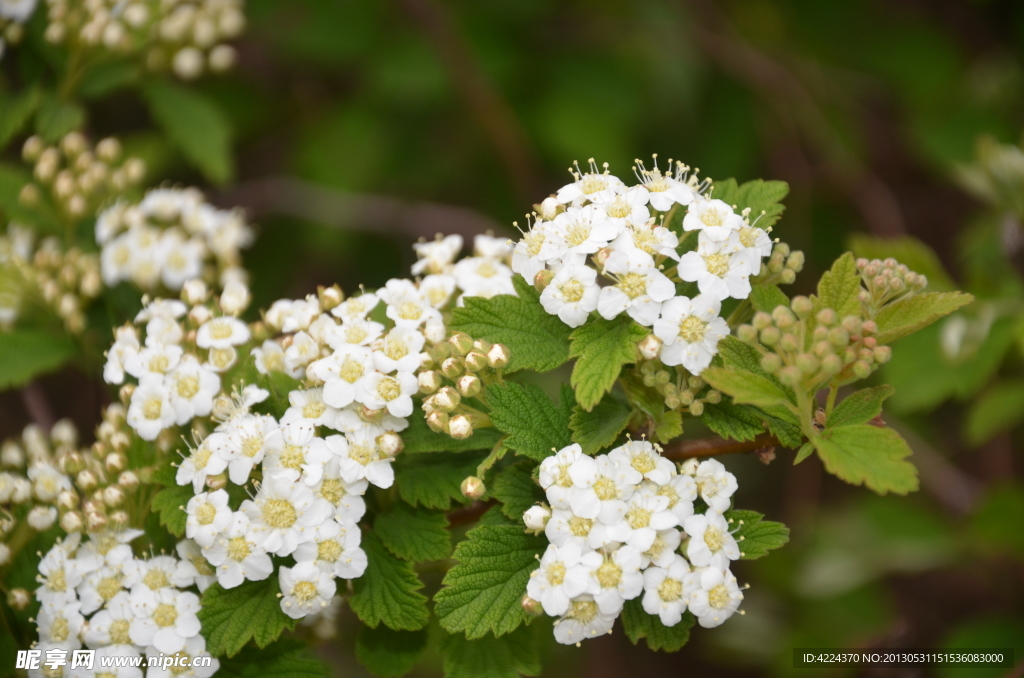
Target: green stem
{"x": 739, "y": 313}
{"x": 494, "y": 457}
{"x": 830, "y": 402}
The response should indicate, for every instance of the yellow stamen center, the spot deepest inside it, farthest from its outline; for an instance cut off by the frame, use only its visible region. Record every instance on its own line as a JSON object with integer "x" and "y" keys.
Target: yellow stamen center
{"x": 279, "y": 513}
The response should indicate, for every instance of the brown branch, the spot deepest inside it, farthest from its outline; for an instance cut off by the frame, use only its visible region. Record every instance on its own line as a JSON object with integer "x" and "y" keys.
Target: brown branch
{"x": 34, "y": 398}
{"x": 713, "y": 447}
{"x": 469, "y": 514}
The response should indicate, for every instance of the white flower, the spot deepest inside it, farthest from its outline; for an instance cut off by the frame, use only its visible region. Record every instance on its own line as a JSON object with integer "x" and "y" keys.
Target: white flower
{"x": 308, "y": 408}
{"x": 714, "y": 218}
{"x": 492, "y": 246}
{"x": 663, "y": 591}
{"x": 246, "y": 441}
{"x": 235, "y": 298}
{"x": 355, "y": 308}
{"x": 564, "y": 527}
{"x": 182, "y": 258}
{"x": 585, "y": 230}
{"x": 107, "y": 548}
{"x": 690, "y": 330}
{"x": 583, "y": 620}
{"x": 195, "y": 564}
{"x": 639, "y": 287}
{"x": 715, "y": 484}
{"x": 538, "y": 246}
{"x": 410, "y": 310}
{"x": 283, "y": 513}
{"x": 360, "y": 457}
{"x": 655, "y": 241}
{"x": 222, "y": 332}
{"x": 208, "y": 515}
{"x": 756, "y": 245}
{"x": 572, "y": 294}
{"x": 41, "y": 518}
{"x": 646, "y": 515}
{"x": 711, "y": 543}
{"x": 194, "y": 647}
{"x": 645, "y": 460}
{"x": 159, "y": 572}
{"x": 150, "y": 410}
{"x": 106, "y": 654}
{"x": 59, "y": 574}
{"x": 627, "y": 208}
{"x": 335, "y": 550}
{"x": 192, "y": 388}
{"x": 342, "y": 373}
{"x": 59, "y": 626}
{"x": 47, "y": 482}
{"x": 125, "y": 346}
{"x": 602, "y": 488}
{"x": 717, "y": 270}
{"x": 357, "y": 331}
{"x": 680, "y": 490}
{"x": 306, "y": 588}
{"x": 153, "y": 361}
{"x": 164, "y": 618}
{"x": 209, "y": 459}
{"x": 304, "y": 349}
{"x": 438, "y": 289}
{"x": 437, "y": 255}
{"x": 559, "y": 579}
{"x": 613, "y": 578}
{"x": 394, "y": 392}
{"x": 712, "y": 595}
{"x": 302, "y": 456}
{"x": 237, "y": 557}
{"x": 399, "y": 351}
{"x": 346, "y": 498}
{"x": 554, "y": 475}
{"x": 99, "y": 587}
{"x": 663, "y": 550}
{"x": 664, "y": 191}
{"x": 536, "y": 517}
{"x": 594, "y": 185}
{"x": 111, "y": 625}
{"x": 483, "y": 277}
{"x": 270, "y": 357}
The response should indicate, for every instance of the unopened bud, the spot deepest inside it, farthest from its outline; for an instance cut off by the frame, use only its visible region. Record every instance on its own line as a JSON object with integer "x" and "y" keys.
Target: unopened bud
{"x": 473, "y": 488}
{"x": 787, "y": 276}
{"x": 601, "y": 257}
{"x": 119, "y": 519}
{"x": 827, "y": 317}
{"x": 536, "y": 518}
{"x": 438, "y": 352}
{"x": 832, "y": 365}
{"x": 852, "y": 324}
{"x": 390, "y": 444}
{"x": 761, "y": 320}
{"x": 784, "y": 318}
{"x": 18, "y": 599}
{"x": 802, "y": 306}
{"x": 453, "y": 368}
{"x": 67, "y": 500}
{"x": 437, "y": 421}
{"x": 790, "y": 376}
{"x": 713, "y": 397}
{"x": 883, "y": 354}
{"x": 469, "y": 385}
{"x": 115, "y": 462}
{"x": 868, "y": 328}
{"x": 531, "y": 607}
{"x": 217, "y": 482}
{"x": 649, "y": 347}
{"x": 838, "y": 337}
{"x": 476, "y": 361}
{"x": 747, "y": 334}
{"x": 42, "y": 518}
{"x": 807, "y": 363}
{"x": 543, "y": 279}
{"x": 460, "y": 344}
{"x": 329, "y": 297}
{"x": 447, "y": 399}
{"x": 795, "y": 261}
{"x": 33, "y": 147}
{"x": 697, "y": 408}
{"x": 770, "y": 336}
{"x": 125, "y": 393}
{"x": 498, "y": 356}
{"x": 194, "y": 291}
{"x": 789, "y": 342}
{"x": 128, "y": 480}
{"x": 429, "y": 381}
{"x": 459, "y": 427}
{"x": 86, "y": 480}
{"x": 95, "y": 522}
{"x": 549, "y": 208}
{"x": 862, "y": 369}
{"x": 113, "y": 496}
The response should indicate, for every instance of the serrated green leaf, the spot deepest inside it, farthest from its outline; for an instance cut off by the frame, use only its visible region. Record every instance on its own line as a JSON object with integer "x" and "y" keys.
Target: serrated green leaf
{"x": 434, "y": 480}
{"x": 839, "y": 288}
{"x": 910, "y": 314}
{"x": 31, "y": 353}
{"x": 516, "y": 490}
{"x": 233, "y": 617}
{"x": 482, "y": 594}
{"x": 387, "y": 653}
{"x": 170, "y": 504}
{"x": 783, "y": 426}
{"x": 598, "y": 429}
{"x": 388, "y": 592}
{"x": 414, "y": 535}
{"x": 999, "y": 409}
{"x": 419, "y": 439}
{"x": 745, "y": 387}
{"x": 669, "y": 427}
{"x": 869, "y": 455}
{"x": 908, "y": 250}
{"x": 15, "y": 111}
{"x": 532, "y": 423}
{"x": 56, "y": 117}
{"x": 756, "y": 536}
{"x": 767, "y": 297}
{"x": 759, "y": 195}
{"x": 535, "y": 340}
{"x": 735, "y": 422}
{"x": 285, "y": 659}
{"x": 601, "y": 348}
{"x": 860, "y": 407}
{"x": 512, "y": 655}
{"x": 735, "y": 353}
{"x": 638, "y": 624}
{"x": 651, "y": 404}
{"x": 195, "y": 124}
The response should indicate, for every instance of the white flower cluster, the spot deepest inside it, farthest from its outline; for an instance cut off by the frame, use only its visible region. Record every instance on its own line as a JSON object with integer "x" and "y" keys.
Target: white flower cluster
{"x": 171, "y": 236}
{"x": 621, "y": 229}
{"x": 614, "y": 527}
{"x": 97, "y": 593}
{"x": 485, "y": 274}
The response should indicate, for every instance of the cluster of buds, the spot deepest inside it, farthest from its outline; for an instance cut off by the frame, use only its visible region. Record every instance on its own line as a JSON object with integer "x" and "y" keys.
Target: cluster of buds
{"x": 458, "y": 369}
{"x": 782, "y": 266}
{"x": 64, "y": 282}
{"x": 804, "y": 349}
{"x": 77, "y": 176}
{"x": 680, "y": 389}
{"x": 886, "y": 281}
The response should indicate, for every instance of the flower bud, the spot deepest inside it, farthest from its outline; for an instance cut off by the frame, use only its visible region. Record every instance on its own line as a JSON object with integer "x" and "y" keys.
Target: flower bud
{"x": 852, "y": 324}
{"x": 128, "y": 480}
{"x": 86, "y": 480}
{"x": 429, "y": 381}
{"x": 789, "y": 343}
{"x": 713, "y": 397}
{"x": 438, "y": 352}
{"x": 770, "y": 336}
{"x": 473, "y": 488}
{"x": 64, "y": 433}
{"x": 469, "y": 385}
{"x": 390, "y": 444}
{"x": 791, "y": 376}
{"x": 697, "y": 408}
{"x": 329, "y": 297}
{"x": 832, "y": 365}
{"x": 453, "y": 368}
{"x": 795, "y": 261}
{"x": 883, "y": 354}
{"x": 476, "y": 361}
{"x": 71, "y": 522}
{"x": 11, "y": 455}
{"x": 115, "y": 462}
{"x": 543, "y": 279}
{"x": 94, "y": 522}
{"x": 29, "y": 195}
{"x": 459, "y": 427}
{"x": 549, "y": 208}
{"x": 447, "y": 399}
{"x": 787, "y": 276}
{"x": 862, "y": 369}
{"x": 807, "y": 363}
{"x": 19, "y": 599}
{"x": 536, "y": 518}
{"x": 42, "y": 518}
{"x": 437, "y": 421}
{"x": 113, "y": 496}
{"x": 827, "y": 317}
{"x": 761, "y": 320}
{"x": 649, "y": 347}
{"x": 32, "y": 148}
{"x": 498, "y": 356}
{"x": 194, "y": 291}
{"x": 802, "y": 306}
{"x": 746, "y": 333}
{"x": 460, "y": 344}
{"x": 776, "y": 263}
{"x": 601, "y": 257}
{"x": 217, "y": 482}
{"x": 67, "y": 500}
{"x": 784, "y": 318}
{"x": 125, "y": 393}
{"x": 868, "y": 328}
{"x": 839, "y": 337}
{"x": 482, "y": 346}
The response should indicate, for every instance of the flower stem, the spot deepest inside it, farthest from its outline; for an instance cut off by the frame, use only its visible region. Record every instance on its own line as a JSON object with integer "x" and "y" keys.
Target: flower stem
{"x": 714, "y": 447}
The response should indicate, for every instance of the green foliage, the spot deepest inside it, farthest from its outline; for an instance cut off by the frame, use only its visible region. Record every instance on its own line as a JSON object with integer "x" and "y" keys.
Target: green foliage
{"x": 418, "y": 438}
{"x": 759, "y": 195}
{"x": 638, "y": 624}
{"x": 233, "y": 617}
{"x": 482, "y": 593}
{"x": 15, "y": 111}
{"x": 735, "y": 422}
{"x": 868, "y": 455}
{"x": 998, "y": 409}
{"x": 56, "y": 117}
{"x": 414, "y": 535}
{"x": 860, "y": 407}
{"x": 388, "y": 592}
{"x": 516, "y": 490}
{"x": 536, "y": 340}
{"x": 599, "y": 428}
{"x": 170, "y": 503}
{"x": 839, "y": 288}
{"x": 745, "y": 387}
{"x": 532, "y": 423}
{"x": 910, "y": 314}
{"x": 195, "y": 125}
{"x": 37, "y": 352}
{"x": 755, "y": 535}
{"x": 997, "y": 520}
{"x": 907, "y": 250}
{"x": 433, "y": 481}
{"x": 387, "y": 653}
{"x": 510, "y": 656}
{"x": 767, "y": 297}
{"x": 286, "y": 659}
{"x": 601, "y": 348}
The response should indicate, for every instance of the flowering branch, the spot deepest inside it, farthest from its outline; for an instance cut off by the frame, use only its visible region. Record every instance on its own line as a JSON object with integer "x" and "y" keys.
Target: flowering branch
{"x": 713, "y": 447}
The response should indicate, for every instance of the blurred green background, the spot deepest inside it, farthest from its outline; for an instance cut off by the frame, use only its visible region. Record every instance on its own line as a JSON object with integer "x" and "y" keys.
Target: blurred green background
{"x": 361, "y": 125}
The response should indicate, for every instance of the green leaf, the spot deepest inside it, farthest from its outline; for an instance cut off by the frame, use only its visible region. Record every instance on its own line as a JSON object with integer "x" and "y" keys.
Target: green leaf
{"x": 860, "y": 407}
{"x": 767, "y": 297}
{"x": 638, "y": 624}
{"x": 418, "y": 439}
{"x": 170, "y": 504}
{"x": 910, "y": 314}
{"x": 602, "y": 347}
{"x": 908, "y": 250}
{"x": 414, "y": 535}
{"x": 999, "y": 409}
{"x": 387, "y": 653}
{"x": 745, "y": 387}
{"x": 839, "y": 288}
{"x": 516, "y": 490}
{"x": 651, "y": 404}
{"x": 669, "y": 427}
{"x": 483, "y": 592}
{"x": 15, "y": 111}
{"x": 56, "y": 117}
{"x": 759, "y": 195}
{"x": 534, "y": 425}
{"x": 233, "y": 617}
{"x": 998, "y": 517}
{"x": 536, "y": 340}
{"x": 755, "y": 535}
{"x": 104, "y": 79}
{"x": 388, "y": 592}
{"x": 868, "y": 455}
{"x": 286, "y": 659}
{"x": 434, "y": 480}
{"x": 31, "y": 353}
{"x": 737, "y": 354}
{"x": 806, "y": 450}
{"x": 512, "y": 655}
{"x": 735, "y": 422}
{"x": 598, "y": 429}
{"x": 195, "y": 124}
